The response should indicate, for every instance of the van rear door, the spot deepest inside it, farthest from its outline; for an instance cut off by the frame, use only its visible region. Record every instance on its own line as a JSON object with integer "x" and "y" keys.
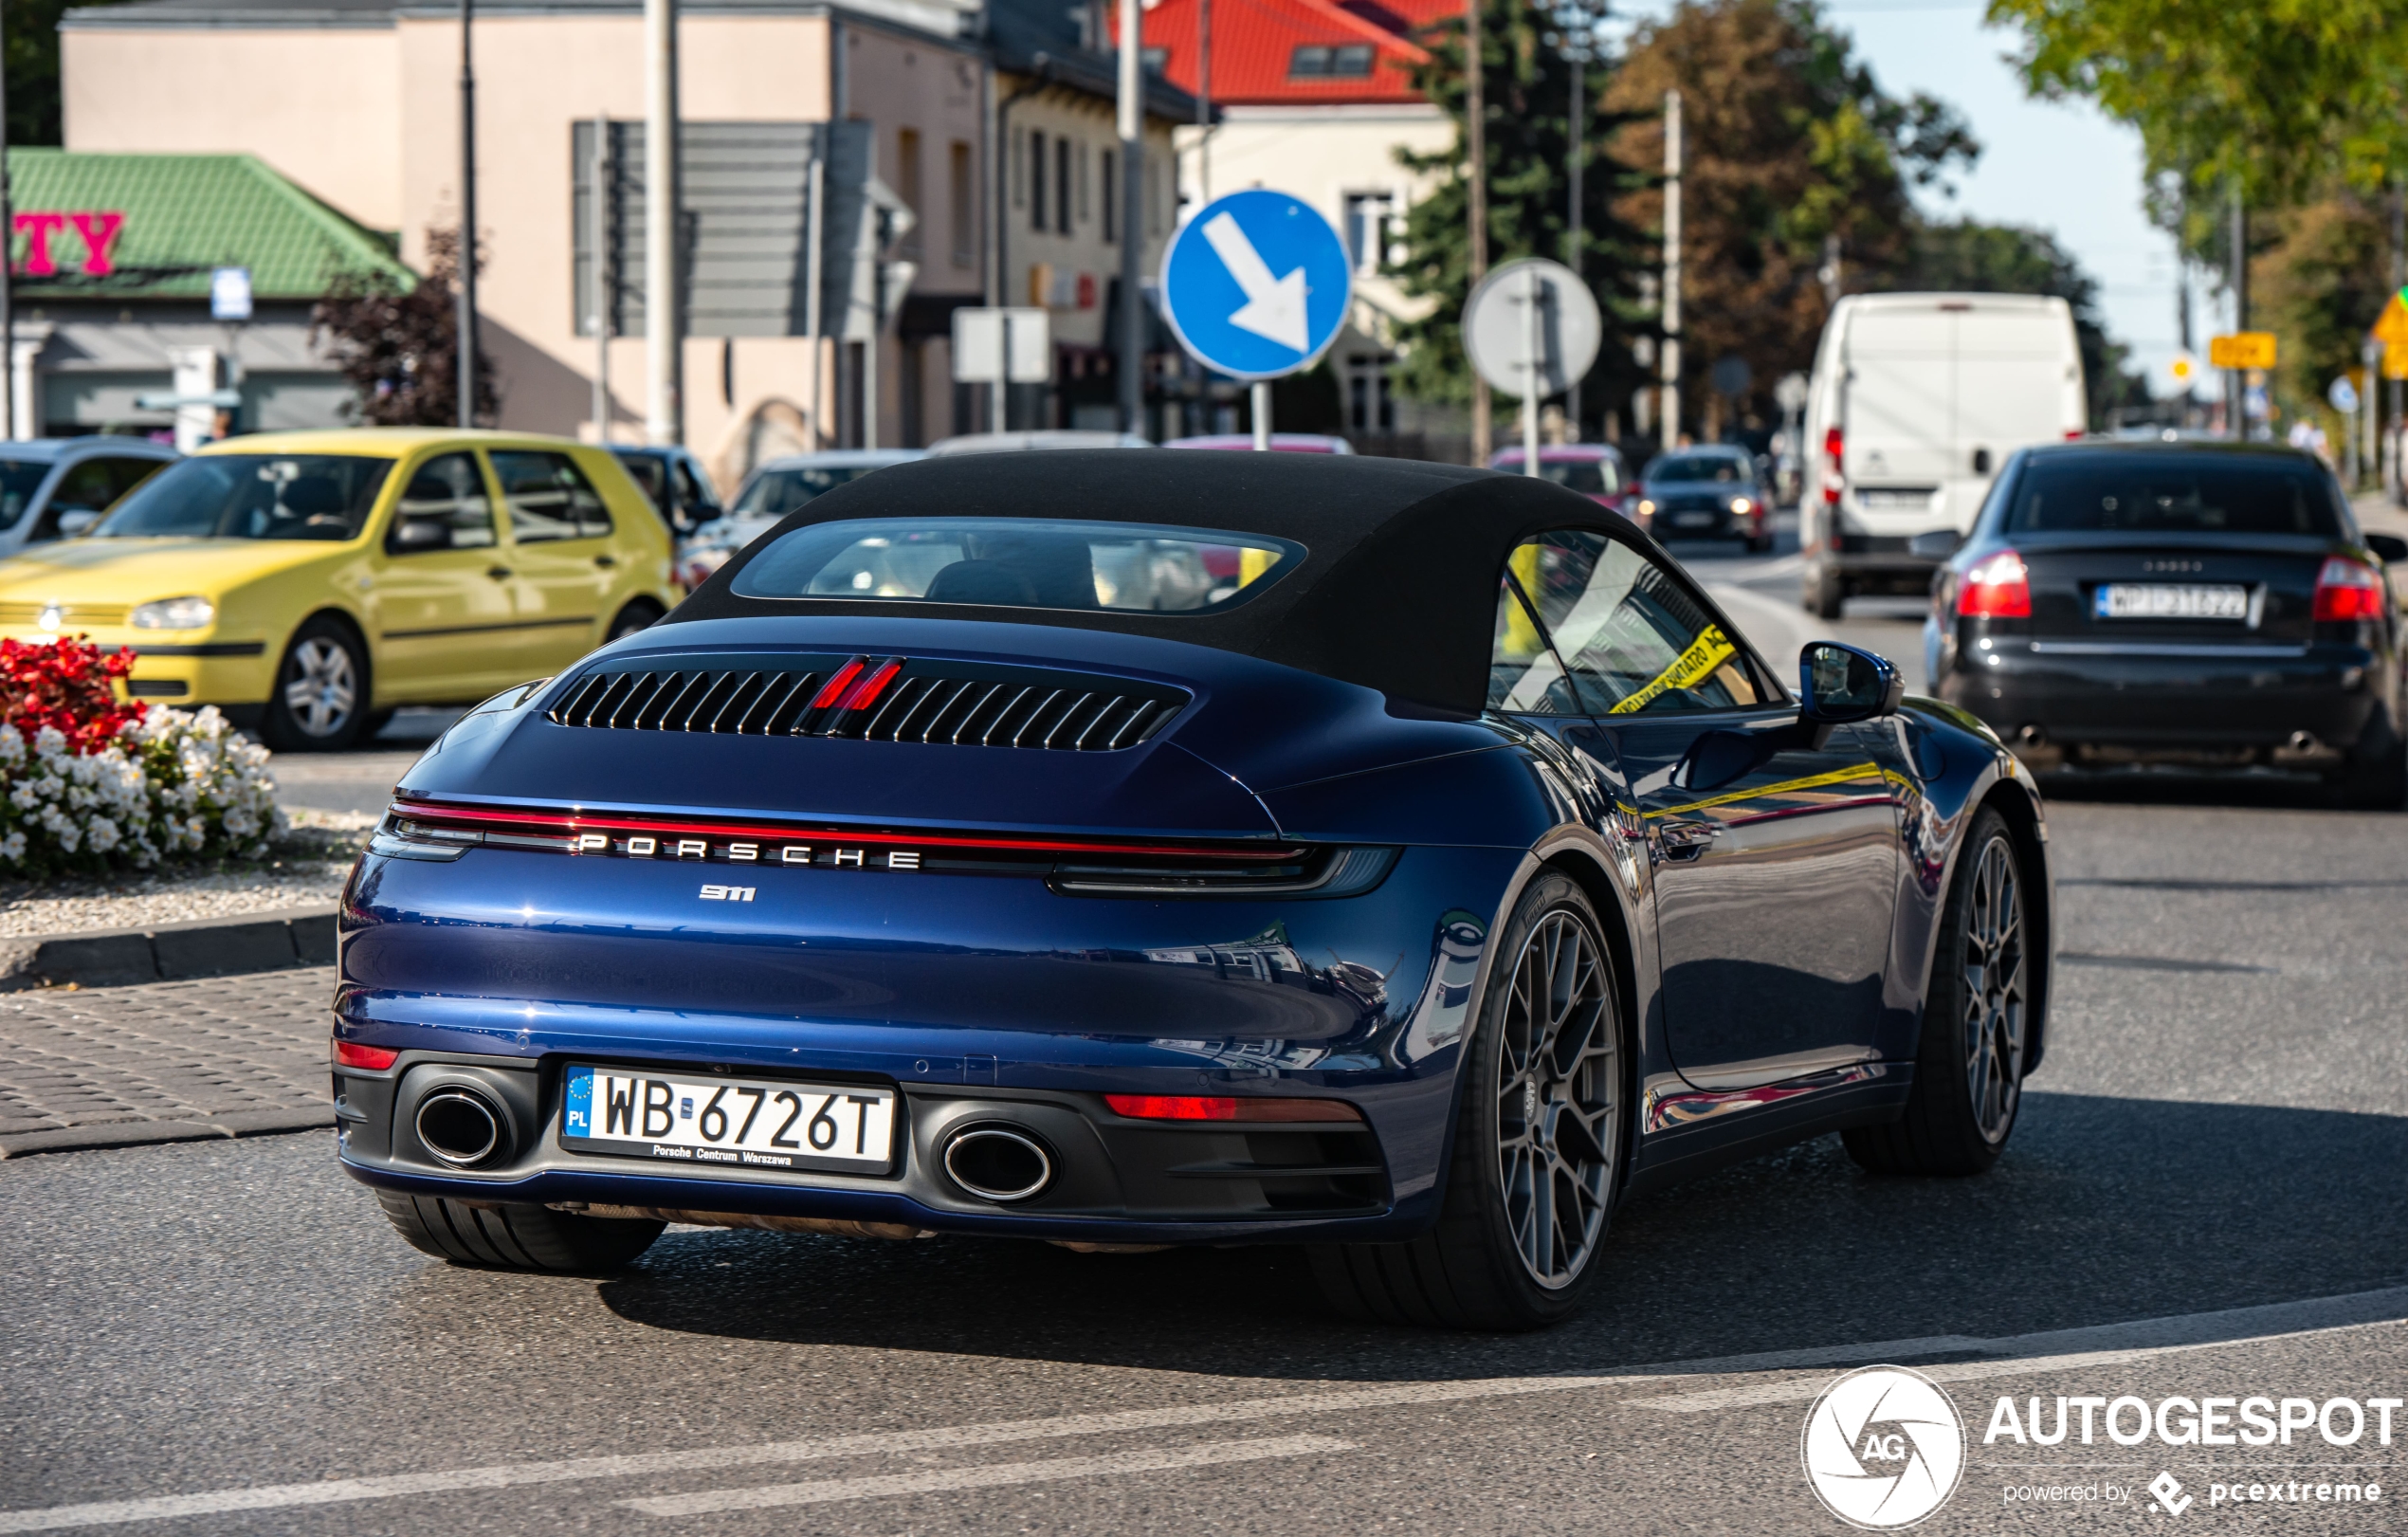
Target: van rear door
{"x": 1901, "y": 406}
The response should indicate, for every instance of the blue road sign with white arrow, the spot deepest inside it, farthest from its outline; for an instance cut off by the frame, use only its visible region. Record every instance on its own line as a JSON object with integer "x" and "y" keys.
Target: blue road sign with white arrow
{"x": 1256, "y": 285}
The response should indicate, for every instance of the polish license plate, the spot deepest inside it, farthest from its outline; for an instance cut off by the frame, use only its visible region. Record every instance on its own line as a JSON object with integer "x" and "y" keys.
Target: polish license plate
{"x": 1692, "y": 519}
{"x": 2169, "y": 600}
{"x": 706, "y": 1122}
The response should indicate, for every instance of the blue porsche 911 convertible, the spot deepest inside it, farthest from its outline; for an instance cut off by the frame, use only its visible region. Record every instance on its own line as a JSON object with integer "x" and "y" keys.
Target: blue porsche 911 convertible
{"x": 1136, "y": 849}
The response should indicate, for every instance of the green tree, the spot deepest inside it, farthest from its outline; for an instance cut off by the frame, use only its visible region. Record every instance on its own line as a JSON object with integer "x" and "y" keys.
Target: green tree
{"x": 1526, "y": 85}
{"x": 1791, "y": 146}
{"x": 2271, "y": 96}
{"x": 32, "y": 58}
{"x": 1970, "y": 257}
{"x": 399, "y": 347}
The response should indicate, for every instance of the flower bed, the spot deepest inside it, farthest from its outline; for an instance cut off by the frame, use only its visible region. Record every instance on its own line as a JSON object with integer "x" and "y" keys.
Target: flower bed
{"x": 88, "y": 782}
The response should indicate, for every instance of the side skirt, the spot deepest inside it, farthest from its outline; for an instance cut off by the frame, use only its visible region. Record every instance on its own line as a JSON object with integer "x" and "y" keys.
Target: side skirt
{"x": 1682, "y": 1149}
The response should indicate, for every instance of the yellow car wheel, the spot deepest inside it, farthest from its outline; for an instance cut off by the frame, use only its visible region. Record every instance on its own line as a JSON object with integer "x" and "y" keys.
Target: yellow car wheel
{"x": 318, "y": 703}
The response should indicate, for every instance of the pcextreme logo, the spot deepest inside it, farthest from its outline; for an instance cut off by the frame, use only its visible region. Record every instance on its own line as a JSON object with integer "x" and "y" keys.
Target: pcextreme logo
{"x": 1884, "y": 1448}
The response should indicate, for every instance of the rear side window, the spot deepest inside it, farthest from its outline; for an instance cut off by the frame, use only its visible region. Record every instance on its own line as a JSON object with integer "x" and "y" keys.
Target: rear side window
{"x": 1020, "y": 563}
{"x": 549, "y": 497}
{"x": 2172, "y": 493}
{"x": 1633, "y": 638}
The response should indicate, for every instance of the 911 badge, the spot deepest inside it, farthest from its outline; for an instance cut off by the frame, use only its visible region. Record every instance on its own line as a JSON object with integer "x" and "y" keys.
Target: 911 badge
{"x": 728, "y": 893}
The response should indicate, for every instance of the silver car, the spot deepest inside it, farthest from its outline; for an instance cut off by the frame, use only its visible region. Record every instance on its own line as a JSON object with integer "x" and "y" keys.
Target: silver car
{"x": 54, "y": 488}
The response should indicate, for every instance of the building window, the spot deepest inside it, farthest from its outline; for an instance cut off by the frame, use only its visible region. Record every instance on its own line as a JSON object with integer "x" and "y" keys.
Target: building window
{"x": 1367, "y": 226}
{"x": 1312, "y": 61}
{"x": 963, "y": 205}
{"x": 1111, "y": 198}
{"x": 1368, "y": 406}
{"x": 1019, "y": 181}
{"x": 1083, "y": 159}
{"x": 1036, "y": 181}
{"x": 1154, "y": 60}
{"x": 1062, "y": 149}
{"x": 907, "y": 178}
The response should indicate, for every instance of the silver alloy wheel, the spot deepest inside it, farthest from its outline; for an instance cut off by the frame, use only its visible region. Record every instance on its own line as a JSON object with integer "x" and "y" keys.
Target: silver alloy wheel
{"x": 1558, "y": 1105}
{"x": 322, "y": 687}
{"x": 1994, "y": 990}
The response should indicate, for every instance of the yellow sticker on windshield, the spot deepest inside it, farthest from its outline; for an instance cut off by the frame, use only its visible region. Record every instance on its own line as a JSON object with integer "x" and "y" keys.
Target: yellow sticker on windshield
{"x": 1709, "y": 650}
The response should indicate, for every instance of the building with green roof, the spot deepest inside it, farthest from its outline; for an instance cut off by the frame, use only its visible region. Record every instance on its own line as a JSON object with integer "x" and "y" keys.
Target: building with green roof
{"x": 114, "y": 255}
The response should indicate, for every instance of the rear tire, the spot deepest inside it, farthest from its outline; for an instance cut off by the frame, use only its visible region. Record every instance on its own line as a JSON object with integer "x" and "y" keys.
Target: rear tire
{"x": 1826, "y": 595}
{"x": 2376, "y": 779}
{"x": 1969, "y": 1064}
{"x": 641, "y": 614}
{"x": 1540, "y": 1142}
{"x": 516, "y": 1237}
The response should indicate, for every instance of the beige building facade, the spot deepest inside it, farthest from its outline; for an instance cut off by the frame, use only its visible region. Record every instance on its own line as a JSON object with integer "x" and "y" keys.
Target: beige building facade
{"x": 359, "y": 105}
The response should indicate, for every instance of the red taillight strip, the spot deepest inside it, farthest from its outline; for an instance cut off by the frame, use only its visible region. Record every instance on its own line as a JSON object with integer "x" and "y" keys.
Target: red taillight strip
{"x": 564, "y": 823}
{"x": 1219, "y": 1107}
{"x": 838, "y": 684}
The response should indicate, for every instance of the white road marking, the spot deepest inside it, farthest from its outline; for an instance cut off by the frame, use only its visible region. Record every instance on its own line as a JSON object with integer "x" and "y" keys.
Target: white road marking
{"x": 987, "y": 1475}
{"x": 2107, "y": 1345}
{"x": 2243, "y": 1325}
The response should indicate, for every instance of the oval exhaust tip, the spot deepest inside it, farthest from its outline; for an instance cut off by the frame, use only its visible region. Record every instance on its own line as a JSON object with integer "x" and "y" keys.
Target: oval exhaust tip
{"x": 997, "y": 1163}
{"x": 460, "y": 1127}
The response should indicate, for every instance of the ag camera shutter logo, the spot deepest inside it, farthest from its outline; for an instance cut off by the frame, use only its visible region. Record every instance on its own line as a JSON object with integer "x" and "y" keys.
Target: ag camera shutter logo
{"x": 1883, "y": 1447}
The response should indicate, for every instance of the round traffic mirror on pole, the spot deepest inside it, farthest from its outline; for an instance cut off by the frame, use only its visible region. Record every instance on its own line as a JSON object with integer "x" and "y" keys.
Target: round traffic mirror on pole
{"x": 1531, "y": 329}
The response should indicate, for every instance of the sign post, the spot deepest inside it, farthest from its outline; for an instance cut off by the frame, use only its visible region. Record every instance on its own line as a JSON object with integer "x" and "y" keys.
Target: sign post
{"x": 1255, "y": 286}
{"x": 1532, "y": 329}
{"x": 1001, "y": 348}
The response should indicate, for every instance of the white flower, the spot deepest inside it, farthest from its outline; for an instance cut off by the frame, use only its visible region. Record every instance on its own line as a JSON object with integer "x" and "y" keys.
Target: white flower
{"x": 103, "y": 834}
{"x": 11, "y": 745}
{"x": 12, "y": 848}
{"x": 50, "y": 742}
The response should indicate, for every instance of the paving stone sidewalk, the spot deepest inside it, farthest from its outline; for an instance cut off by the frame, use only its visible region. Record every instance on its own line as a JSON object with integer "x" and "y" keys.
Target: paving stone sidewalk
{"x": 230, "y": 1057}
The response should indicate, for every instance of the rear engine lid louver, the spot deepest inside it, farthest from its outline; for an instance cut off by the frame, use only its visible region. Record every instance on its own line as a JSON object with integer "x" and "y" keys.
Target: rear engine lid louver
{"x": 873, "y": 699}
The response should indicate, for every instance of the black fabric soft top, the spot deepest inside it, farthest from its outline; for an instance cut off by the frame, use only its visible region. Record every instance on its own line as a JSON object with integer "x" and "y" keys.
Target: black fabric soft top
{"x": 1397, "y": 590}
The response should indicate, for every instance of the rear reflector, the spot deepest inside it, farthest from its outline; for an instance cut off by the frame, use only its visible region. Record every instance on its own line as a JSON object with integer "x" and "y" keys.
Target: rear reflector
{"x": 1834, "y": 457}
{"x": 353, "y": 1054}
{"x": 2346, "y": 590}
{"x": 1997, "y": 587}
{"x": 1200, "y": 1107}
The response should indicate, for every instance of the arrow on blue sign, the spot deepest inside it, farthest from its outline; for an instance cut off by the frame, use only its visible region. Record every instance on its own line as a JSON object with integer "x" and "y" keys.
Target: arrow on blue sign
{"x": 1256, "y": 285}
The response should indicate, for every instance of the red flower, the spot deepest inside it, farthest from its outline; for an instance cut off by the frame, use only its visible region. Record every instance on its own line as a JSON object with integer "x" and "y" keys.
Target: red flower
{"x": 68, "y": 683}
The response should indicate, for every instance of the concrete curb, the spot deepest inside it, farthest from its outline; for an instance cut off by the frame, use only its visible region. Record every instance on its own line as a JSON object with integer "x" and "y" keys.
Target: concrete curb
{"x": 171, "y": 952}
{"x": 135, "y": 1133}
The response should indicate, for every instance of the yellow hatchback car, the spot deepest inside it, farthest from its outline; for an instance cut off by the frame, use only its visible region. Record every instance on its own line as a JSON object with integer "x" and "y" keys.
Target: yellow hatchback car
{"x": 308, "y": 583}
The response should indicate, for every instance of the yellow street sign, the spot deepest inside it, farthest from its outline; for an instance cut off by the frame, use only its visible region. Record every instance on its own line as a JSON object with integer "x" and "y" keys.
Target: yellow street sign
{"x": 2242, "y": 349}
{"x": 2395, "y": 359}
{"x": 2392, "y": 325}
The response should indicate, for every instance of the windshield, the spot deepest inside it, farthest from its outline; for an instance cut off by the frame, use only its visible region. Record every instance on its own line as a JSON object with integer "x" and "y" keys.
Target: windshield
{"x": 320, "y": 496}
{"x": 1698, "y": 466}
{"x": 2193, "y": 493}
{"x": 19, "y": 480}
{"x": 1020, "y": 563}
{"x": 1593, "y": 476}
{"x": 774, "y": 493}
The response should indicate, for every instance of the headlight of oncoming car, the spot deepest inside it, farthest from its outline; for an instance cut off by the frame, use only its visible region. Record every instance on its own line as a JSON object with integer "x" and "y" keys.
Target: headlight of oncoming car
{"x": 173, "y": 614}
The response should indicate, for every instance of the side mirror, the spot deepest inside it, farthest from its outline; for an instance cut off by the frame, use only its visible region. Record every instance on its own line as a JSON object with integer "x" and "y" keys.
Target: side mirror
{"x": 414, "y": 535}
{"x": 2390, "y": 547}
{"x": 74, "y": 521}
{"x": 1841, "y": 684}
{"x": 1939, "y": 544}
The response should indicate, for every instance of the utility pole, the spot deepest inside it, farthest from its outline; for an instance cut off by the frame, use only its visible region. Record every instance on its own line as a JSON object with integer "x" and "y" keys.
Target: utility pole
{"x": 599, "y": 217}
{"x": 2398, "y": 281}
{"x": 466, "y": 321}
{"x": 1671, "y": 355}
{"x": 664, "y": 409}
{"x": 1132, "y": 218}
{"x": 2236, "y": 280}
{"x": 8, "y": 259}
{"x": 1203, "y": 103}
{"x": 1476, "y": 144}
{"x": 1581, "y": 33}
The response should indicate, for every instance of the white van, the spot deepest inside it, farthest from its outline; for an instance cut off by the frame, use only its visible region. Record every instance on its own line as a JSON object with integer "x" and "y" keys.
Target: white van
{"x": 1916, "y": 401}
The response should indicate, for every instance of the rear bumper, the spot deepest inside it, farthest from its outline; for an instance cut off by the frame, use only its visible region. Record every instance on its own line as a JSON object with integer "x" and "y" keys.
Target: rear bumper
{"x": 1869, "y": 559}
{"x": 979, "y": 998}
{"x": 2247, "y": 702}
{"x": 171, "y": 669}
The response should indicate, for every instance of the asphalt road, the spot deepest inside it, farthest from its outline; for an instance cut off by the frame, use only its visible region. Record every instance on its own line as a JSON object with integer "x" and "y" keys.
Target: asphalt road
{"x": 2204, "y": 1199}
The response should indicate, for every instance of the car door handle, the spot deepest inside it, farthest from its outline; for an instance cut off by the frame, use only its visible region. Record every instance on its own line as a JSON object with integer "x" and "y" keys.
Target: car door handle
{"x": 1686, "y": 840}
{"x": 500, "y": 574}
{"x": 605, "y": 561}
